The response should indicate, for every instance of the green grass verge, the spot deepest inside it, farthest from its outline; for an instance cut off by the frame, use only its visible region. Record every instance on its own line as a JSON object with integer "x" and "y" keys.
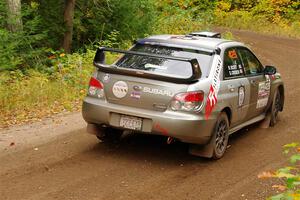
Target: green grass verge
{"x": 33, "y": 95}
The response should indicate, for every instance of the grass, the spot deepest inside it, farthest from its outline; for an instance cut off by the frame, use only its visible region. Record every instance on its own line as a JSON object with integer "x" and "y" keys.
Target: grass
{"x": 33, "y": 95}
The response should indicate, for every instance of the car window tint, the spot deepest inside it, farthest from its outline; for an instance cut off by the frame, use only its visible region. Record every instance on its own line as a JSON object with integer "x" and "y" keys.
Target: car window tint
{"x": 251, "y": 65}
{"x": 232, "y": 64}
{"x": 167, "y": 67}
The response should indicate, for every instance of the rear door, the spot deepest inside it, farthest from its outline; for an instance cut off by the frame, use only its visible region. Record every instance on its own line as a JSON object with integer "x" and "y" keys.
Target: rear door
{"x": 259, "y": 83}
{"x": 237, "y": 88}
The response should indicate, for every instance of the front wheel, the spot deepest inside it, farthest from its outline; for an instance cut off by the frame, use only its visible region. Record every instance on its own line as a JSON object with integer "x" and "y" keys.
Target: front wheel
{"x": 220, "y": 136}
{"x": 275, "y": 108}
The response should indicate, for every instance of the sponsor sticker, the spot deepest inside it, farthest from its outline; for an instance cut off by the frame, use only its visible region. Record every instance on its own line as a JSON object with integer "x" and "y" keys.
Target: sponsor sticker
{"x": 232, "y": 67}
{"x": 161, "y": 129}
{"x": 263, "y": 93}
{"x": 241, "y": 96}
{"x": 232, "y": 54}
{"x": 135, "y": 95}
{"x": 120, "y": 89}
{"x": 106, "y": 78}
{"x": 212, "y": 97}
{"x": 235, "y": 69}
{"x": 137, "y": 88}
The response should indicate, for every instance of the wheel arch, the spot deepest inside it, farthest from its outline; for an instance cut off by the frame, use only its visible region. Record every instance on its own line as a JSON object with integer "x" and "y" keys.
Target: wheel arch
{"x": 281, "y": 91}
{"x": 228, "y": 112}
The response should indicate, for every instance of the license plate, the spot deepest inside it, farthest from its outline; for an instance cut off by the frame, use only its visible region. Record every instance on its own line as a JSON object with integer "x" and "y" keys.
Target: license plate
{"x": 129, "y": 122}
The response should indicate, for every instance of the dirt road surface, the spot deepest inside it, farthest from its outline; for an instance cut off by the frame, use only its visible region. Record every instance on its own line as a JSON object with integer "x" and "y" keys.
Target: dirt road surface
{"x": 56, "y": 159}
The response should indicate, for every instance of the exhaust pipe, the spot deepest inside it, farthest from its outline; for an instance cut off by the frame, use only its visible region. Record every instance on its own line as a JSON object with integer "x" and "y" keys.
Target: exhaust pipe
{"x": 170, "y": 140}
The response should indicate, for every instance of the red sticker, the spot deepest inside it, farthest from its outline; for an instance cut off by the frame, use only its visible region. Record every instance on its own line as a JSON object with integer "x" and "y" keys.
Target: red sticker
{"x": 161, "y": 129}
{"x": 211, "y": 102}
{"x": 212, "y": 97}
{"x": 272, "y": 77}
{"x": 232, "y": 54}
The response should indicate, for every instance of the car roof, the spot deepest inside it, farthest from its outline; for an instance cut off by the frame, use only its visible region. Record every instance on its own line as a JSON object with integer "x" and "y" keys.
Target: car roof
{"x": 195, "y": 42}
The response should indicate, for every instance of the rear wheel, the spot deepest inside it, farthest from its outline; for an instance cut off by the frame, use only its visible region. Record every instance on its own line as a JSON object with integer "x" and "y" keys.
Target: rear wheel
{"x": 275, "y": 108}
{"x": 220, "y": 137}
{"x": 109, "y": 134}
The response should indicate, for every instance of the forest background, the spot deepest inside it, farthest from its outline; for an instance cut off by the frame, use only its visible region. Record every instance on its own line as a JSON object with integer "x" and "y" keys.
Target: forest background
{"x": 47, "y": 47}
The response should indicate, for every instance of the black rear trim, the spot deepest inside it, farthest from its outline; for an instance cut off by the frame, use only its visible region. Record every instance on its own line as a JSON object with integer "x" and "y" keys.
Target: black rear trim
{"x": 99, "y": 63}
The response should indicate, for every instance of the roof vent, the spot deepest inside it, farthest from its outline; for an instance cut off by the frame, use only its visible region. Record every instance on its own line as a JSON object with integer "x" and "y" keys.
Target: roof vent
{"x": 205, "y": 34}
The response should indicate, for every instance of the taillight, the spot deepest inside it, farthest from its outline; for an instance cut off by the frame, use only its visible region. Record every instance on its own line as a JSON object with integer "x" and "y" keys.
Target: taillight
{"x": 96, "y": 88}
{"x": 189, "y": 101}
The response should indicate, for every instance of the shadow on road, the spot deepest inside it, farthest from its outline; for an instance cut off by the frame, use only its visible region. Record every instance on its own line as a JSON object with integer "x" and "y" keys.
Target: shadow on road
{"x": 155, "y": 148}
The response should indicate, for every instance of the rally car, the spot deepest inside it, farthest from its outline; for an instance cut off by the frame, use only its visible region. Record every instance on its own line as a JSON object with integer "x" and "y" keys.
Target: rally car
{"x": 195, "y": 88}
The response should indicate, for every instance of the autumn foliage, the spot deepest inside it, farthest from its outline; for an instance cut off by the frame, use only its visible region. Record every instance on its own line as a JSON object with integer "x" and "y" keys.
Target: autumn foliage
{"x": 288, "y": 177}
{"x": 37, "y": 76}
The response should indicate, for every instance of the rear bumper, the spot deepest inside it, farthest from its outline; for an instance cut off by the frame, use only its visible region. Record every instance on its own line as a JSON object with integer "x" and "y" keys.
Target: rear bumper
{"x": 190, "y": 128}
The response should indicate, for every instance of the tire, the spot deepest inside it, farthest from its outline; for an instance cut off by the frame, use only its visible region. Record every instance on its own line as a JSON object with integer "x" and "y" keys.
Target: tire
{"x": 109, "y": 134}
{"x": 275, "y": 108}
{"x": 220, "y": 136}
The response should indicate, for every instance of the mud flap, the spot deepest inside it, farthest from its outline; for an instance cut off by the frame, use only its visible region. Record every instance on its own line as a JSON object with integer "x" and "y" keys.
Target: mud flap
{"x": 205, "y": 151}
{"x": 266, "y": 122}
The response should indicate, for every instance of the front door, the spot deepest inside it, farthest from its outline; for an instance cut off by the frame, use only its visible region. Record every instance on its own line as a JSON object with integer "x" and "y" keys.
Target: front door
{"x": 259, "y": 83}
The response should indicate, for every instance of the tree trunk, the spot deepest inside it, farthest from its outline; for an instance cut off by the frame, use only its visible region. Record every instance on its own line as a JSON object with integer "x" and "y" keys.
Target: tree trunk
{"x": 14, "y": 17}
{"x": 68, "y": 19}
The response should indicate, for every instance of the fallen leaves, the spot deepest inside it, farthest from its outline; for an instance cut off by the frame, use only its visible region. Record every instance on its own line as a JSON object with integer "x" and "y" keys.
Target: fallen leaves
{"x": 51, "y": 57}
{"x": 288, "y": 177}
{"x": 37, "y": 113}
{"x": 265, "y": 175}
{"x": 31, "y": 97}
{"x": 279, "y": 187}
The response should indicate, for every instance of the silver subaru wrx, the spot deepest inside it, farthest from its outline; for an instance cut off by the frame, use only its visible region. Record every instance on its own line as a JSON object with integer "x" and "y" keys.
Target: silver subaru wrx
{"x": 196, "y": 88}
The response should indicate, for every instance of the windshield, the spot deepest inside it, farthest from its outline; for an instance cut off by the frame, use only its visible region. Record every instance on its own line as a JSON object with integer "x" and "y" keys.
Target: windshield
{"x": 161, "y": 66}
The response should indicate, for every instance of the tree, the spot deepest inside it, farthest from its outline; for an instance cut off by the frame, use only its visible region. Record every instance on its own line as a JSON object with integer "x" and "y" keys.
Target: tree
{"x": 68, "y": 20}
{"x": 14, "y": 17}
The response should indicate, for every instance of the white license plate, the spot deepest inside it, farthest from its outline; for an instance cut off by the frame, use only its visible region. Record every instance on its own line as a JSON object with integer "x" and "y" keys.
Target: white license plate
{"x": 129, "y": 122}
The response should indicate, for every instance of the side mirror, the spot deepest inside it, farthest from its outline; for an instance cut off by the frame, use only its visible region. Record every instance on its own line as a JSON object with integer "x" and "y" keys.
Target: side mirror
{"x": 270, "y": 70}
{"x": 100, "y": 56}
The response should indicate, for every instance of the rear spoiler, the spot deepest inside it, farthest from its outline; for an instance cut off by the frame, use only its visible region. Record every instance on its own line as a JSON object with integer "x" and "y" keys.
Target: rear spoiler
{"x": 99, "y": 62}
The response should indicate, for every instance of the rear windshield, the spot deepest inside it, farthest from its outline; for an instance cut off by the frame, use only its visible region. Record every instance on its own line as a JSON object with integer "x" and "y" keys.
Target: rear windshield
{"x": 161, "y": 66}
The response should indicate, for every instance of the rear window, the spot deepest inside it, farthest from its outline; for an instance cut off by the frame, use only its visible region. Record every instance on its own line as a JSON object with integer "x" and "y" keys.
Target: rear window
{"x": 166, "y": 67}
